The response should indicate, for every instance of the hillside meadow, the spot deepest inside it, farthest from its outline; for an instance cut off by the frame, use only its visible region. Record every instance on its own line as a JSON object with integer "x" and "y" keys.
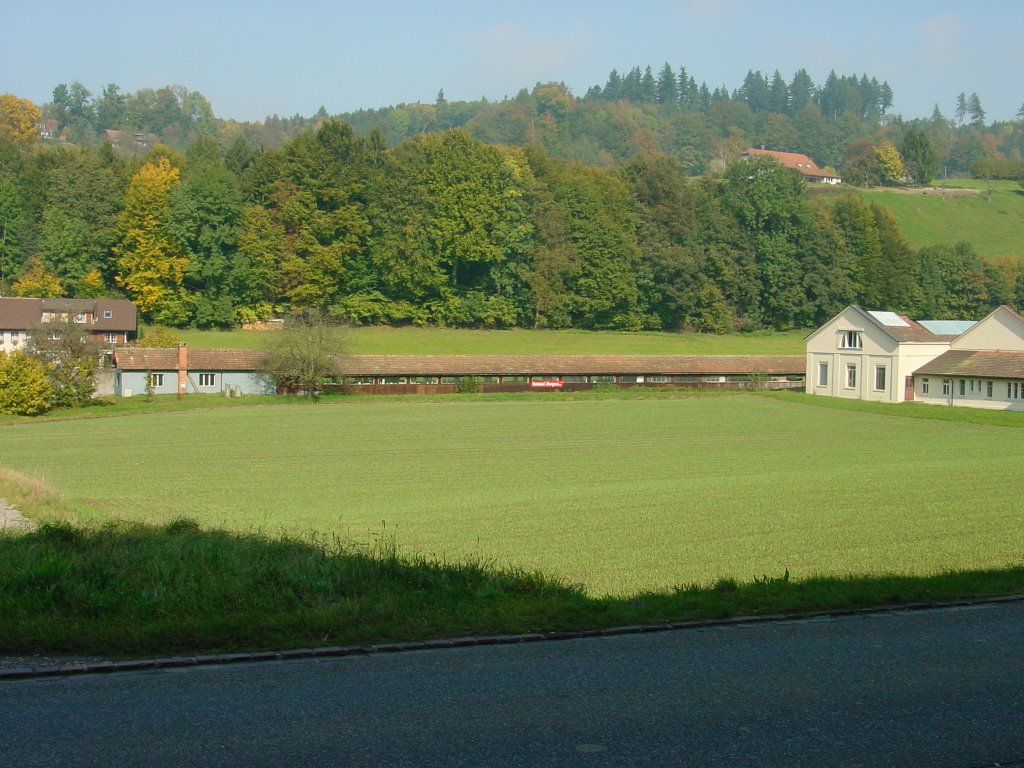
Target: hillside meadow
{"x": 960, "y": 210}
{"x": 620, "y": 496}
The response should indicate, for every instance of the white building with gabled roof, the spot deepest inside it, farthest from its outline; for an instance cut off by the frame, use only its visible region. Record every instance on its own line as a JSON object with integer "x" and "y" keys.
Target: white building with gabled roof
{"x": 983, "y": 367}
{"x": 864, "y": 355}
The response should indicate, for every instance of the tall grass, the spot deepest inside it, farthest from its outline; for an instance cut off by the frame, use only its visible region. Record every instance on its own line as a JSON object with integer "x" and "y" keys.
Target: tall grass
{"x": 131, "y": 590}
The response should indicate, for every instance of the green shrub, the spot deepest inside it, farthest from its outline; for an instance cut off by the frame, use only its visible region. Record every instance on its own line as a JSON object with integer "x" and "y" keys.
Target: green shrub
{"x": 25, "y": 388}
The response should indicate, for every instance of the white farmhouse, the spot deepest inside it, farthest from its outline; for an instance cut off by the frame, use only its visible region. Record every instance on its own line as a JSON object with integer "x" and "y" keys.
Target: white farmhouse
{"x": 865, "y": 355}
{"x": 983, "y": 368}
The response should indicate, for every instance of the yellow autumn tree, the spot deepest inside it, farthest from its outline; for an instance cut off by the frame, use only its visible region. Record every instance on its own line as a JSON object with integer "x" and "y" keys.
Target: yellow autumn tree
{"x": 890, "y": 162}
{"x": 91, "y": 285}
{"x": 18, "y": 119}
{"x": 151, "y": 262}
{"x": 38, "y": 282}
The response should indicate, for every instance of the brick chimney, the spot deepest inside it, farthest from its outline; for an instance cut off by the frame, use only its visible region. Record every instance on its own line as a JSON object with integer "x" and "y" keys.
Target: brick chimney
{"x": 182, "y": 368}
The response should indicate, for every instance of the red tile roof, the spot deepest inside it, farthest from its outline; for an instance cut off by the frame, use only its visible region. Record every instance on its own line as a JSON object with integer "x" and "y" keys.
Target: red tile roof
{"x": 151, "y": 359}
{"x": 541, "y": 365}
{"x": 794, "y": 160}
{"x": 141, "y": 359}
{"x": 969, "y": 364}
{"x": 20, "y": 314}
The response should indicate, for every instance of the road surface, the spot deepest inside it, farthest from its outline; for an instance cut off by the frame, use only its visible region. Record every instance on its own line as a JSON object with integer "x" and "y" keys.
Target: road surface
{"x": 916, "y": 688}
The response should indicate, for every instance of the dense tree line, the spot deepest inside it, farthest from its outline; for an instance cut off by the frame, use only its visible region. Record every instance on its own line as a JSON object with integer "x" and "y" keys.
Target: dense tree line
{"x": 447, "y": 229}
{"x": 843, "y": 123}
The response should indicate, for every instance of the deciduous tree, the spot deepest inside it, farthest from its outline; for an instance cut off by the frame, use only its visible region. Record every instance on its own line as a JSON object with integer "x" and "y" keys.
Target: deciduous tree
{"x": 151, "y": 261}
{"x": 304, "y": 354}
{"x": 18, "y": 119}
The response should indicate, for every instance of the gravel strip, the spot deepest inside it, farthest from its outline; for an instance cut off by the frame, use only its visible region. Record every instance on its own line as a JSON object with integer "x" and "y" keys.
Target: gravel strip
{"x": 10, "y": 518}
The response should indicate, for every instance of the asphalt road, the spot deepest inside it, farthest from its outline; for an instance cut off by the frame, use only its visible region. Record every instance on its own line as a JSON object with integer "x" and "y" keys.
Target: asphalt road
{"x": 926, "y": 688}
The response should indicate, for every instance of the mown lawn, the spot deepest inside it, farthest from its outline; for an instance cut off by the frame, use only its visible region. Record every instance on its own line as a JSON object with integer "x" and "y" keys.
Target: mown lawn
{"x": 454, "y": 341}
{"x": 619, "y": 495}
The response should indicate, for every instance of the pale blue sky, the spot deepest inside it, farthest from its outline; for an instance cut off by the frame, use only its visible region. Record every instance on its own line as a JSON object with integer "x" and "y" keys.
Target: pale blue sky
{"x": 252, "y": 59}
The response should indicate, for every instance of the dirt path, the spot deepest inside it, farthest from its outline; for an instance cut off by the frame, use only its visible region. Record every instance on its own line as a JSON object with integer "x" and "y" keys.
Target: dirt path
{"x": 12, "y": 518}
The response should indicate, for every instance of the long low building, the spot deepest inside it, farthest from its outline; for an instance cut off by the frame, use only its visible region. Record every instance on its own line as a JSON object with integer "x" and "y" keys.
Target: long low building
{"x": 164, "y": 371}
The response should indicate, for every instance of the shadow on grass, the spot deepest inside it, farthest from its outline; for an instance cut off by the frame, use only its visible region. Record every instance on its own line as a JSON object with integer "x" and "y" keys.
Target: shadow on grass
{"x": 132, "y": 590}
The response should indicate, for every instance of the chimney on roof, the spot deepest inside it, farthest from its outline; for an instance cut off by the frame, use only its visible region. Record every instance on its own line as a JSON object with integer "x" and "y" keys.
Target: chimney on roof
{"x": 182, "y": 368}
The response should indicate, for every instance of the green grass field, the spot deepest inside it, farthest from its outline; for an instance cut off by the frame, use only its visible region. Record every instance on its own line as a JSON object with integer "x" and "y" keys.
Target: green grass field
{"x": 451, "y": 341}
{"x": 993, "y": 226}
{"x": 618, "y": 495}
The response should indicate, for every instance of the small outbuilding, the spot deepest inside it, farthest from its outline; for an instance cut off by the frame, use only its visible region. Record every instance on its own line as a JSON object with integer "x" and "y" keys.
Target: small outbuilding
{"x": 184, "y": 371}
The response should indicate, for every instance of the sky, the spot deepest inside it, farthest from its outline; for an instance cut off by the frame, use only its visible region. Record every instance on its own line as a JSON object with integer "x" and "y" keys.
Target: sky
{"x": 256, "y": 58}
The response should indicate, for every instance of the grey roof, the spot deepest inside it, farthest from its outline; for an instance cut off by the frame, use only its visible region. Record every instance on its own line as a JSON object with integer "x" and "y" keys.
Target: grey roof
{"x": 912, "y": 331}
{"x": 889, "y": 319}
{"x": 948, "y": 327}
{"x": 972, "y": 364}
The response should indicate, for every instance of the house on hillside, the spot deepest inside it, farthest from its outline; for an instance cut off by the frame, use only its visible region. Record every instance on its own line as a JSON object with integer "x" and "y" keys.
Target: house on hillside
{"x": 866, "y": 355}
{"x": 983, "y": 368}
{"x": 184, "y": 371}
{"x": 109, "y": 323}
{"x": 798, "y": 162}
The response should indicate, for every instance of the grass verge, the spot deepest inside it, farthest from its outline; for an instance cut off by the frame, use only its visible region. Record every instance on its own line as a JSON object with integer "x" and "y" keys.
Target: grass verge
{"x": 123, "y": 590}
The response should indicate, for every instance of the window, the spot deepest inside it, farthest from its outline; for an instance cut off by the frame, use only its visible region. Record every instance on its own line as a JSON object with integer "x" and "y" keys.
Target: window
{"x": 880, "y": 378}
{"x": 947, "y": 386}
{"x": 924, "y": 386}
{"x": 110, "y": 338}
{"x": 156, "y": 380}
{"x": 822, "y": 374}
{"x": 988, "y": 389}
{"x": 850, "y": 340}
{"x": 207, "y": 379}
{"x": 851, "y": 376}
{"x": 963, "y": 387}
{"x": 80, "y": 317}
{"x": 15, "y": 337}
{"x": 107, "y": 314}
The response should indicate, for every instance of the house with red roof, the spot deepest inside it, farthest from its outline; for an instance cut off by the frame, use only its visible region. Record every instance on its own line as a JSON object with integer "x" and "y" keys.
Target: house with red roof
{"x": 798, "y": 162}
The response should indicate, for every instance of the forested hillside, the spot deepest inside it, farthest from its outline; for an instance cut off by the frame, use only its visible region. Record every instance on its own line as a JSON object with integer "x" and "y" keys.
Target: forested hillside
{"x": 546, "y": 210}
{"x": 840, "y": 122}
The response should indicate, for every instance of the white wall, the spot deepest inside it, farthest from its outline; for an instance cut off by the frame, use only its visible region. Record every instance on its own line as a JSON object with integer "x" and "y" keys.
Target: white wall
{"x": 1002, "y": 397}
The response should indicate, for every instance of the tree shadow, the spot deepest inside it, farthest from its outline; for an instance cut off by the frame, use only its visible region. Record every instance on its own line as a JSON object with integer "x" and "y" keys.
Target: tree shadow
{"x": 126, "y": 590}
